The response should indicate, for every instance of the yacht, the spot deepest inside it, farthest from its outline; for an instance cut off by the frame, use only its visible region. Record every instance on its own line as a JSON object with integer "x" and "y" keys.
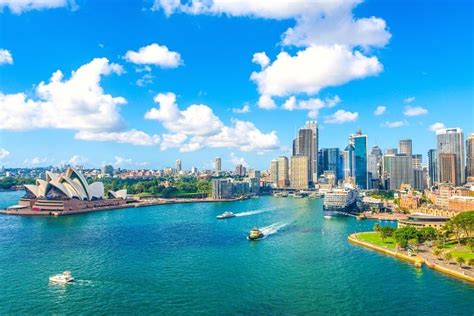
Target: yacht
{"x": 339, "y": 201}
{"x": 255, "y": 234}
{"x": 226, "y": 215}
{"x": 62, "y": 278}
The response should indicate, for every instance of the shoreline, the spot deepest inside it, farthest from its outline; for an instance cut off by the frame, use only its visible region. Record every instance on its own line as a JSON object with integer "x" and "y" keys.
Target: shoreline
{"x": 417, "y": 260}
{"x": 136, "y": 204}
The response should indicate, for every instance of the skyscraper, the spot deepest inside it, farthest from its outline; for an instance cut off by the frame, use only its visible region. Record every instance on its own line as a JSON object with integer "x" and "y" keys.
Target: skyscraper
{"x": 470, "y": 156}
{"x": 417, "y": 161}
{"x": 451, "y": 141}
{"x": 360, "y": 154}
{"x": 405, "y": 146}
{"x": 391, "y": 151}
{"x": 374, "y": 163}
{"x": 240, "y": 170}
{"x": 348, "y": 161}
{"x": 305, "y": 147}
{"x": 299, "y": 172}
{"x": 217, "y": 165}
{"x": 447, "y": 168}
{"x": 178, "y": 165}
{"x": 283, "y": 172}
{"x": 433, "y": 165}
{"x": 401, "y": 170}
{"x": 274, "y": 171}
{"x": 313, "y": 159}
{"x": 330, "y": 161}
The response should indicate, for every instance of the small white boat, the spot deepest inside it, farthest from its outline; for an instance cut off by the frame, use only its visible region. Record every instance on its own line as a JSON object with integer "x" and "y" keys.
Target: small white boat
{"x": 62, "y": 278}
{"x": 226, "y": 215}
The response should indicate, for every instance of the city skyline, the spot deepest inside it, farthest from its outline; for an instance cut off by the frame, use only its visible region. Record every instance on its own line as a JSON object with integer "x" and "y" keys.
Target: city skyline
{"x": 118, "y": 64}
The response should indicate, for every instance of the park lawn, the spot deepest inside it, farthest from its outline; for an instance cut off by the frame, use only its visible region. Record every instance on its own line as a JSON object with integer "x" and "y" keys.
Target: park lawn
{"x": 374, "y": 238}
{"x": 465, "y": 254}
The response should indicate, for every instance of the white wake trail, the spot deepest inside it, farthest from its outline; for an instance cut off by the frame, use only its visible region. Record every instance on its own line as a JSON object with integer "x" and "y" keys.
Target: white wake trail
{"x": 248, "y": 213}
{"x": 272, "y": 229}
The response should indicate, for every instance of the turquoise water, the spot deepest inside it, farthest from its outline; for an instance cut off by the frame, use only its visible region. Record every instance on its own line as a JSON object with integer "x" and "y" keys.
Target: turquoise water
{"x": 178, "y": 259}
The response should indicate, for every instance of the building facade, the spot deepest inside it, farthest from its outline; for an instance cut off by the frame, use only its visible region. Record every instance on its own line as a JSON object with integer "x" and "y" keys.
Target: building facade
{"x": 433, "y": 166}
{"x": 299, "y": 172}
{"x": 217, "y": 165}
{"x": 400, "y": 170}
{"x": 470, "y": 157}
{"x": 283, "y": 172}
{"x": 451, "y": 141}
{"x": 359, "y": 141}
{"x": 405, "y": 147}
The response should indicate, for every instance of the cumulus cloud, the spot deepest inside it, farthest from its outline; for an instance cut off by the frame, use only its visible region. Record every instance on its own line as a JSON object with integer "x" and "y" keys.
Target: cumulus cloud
{"x": 380, "y": 110}
{"x": 436, "y": 126}
{"x": 132, "y": 136}
{"x": 78, "y": 103}
{"x": 197, "y": 127}
{"x": 35, "y": 161}
{"x": 20, "y": 6}
{"x": 266, "y": 102}
{"x": 3, "y": 153}
{"x": 261, "y": 59}
{"x": 394, "y": 124}
{"x": 311, "y": 105}
{"x": 5, "y": 57}
{"x": 77, "y": 160}
{"x": 236, "y": 160}
{"x": 409, "y": 100}
{"x": 120, "y": 162}
{"x": 340, "y": 117}
{"x": 414, "y": 111}
{"x": 330, "y": 66}
{"x": 154, "y": 54}
{"x": 244, "y": 109}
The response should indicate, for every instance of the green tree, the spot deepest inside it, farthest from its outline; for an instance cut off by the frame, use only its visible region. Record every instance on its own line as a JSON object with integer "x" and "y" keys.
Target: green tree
{"x": 377, "y": 227}
{"x": 460, "y": 261}
{"x": 448, "y": 256}
{"x": 385, "y": 232}
{"x": 470, "y": 262}
{"x": 427, "y": 234}
{"x": 404, "y": 234}
{"x": 437, "y": 252}
{"x": 462, "y": 225}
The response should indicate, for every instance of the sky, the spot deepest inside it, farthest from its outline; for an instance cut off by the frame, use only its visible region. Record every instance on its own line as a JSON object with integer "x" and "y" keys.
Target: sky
{"x": 142, "y": 83}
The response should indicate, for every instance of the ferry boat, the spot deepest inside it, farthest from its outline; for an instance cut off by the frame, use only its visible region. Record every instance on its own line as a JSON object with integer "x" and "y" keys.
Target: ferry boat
{"x": 63, "y": 278}
{"x": 255, "y": 234}
{"x": 281, "y": 194}
{"x": 339, "y": 201}
{"x": 225, "y": 215}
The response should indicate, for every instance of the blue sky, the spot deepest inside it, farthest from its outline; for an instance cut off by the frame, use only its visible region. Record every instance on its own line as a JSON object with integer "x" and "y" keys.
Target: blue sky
{"x": 416, "y": 62}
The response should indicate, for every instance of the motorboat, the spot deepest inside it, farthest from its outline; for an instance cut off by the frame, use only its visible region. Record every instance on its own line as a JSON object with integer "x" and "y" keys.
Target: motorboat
{"x": 62, "y": 278}
{"x": 225, "y": 215}
{"x": 255, "y": 234}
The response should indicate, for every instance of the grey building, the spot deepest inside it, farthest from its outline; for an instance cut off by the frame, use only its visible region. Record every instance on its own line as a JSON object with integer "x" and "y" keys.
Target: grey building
{"x": 405, "y": 147}
{"x": 451, "y": 141}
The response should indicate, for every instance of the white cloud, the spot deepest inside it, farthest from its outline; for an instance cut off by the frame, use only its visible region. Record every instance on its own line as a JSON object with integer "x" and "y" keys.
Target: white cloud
{"x": 35, "y": 161}
{"x": 330, "y": 66}
{"x": 5, "y": 57}
{"x": 261, "y": 59}
{"x": 436, "y": 126}
{"x": 146, "y": 79}
{"x": 414, "y": 111}
{"x": 409, "y": 100}
{"x": 197, "y": 127}
{"x": 311, "y": 105}
{"x": 3, "y": 153}
{"x": 244, "y": 109}
{"x": 380, "y": 110}
{"x": 154, "y": 54}
{"x": 132, "y": 136}
{"x": 266, "y": 102}
{"x": 77, "y": 160}
{"x": 20, "y": 6}
{"x": 78, "y": 103}
{"x": 236, "y": 160}
{"x": 395, "y": 124}
{"x": 340, "y": 117}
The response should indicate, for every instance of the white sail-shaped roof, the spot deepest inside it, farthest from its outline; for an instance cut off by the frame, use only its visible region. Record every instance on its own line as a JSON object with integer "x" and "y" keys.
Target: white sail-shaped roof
{"x": 96, "y": 190}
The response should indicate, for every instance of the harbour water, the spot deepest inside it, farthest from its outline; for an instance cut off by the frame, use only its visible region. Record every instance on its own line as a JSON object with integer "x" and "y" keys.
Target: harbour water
{"x": 179, "y": 259}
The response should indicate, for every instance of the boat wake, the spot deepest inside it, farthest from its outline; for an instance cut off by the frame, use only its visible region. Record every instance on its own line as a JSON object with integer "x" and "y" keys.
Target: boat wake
{"x": 248, "y": 213}
{"x": 272, "y": 229}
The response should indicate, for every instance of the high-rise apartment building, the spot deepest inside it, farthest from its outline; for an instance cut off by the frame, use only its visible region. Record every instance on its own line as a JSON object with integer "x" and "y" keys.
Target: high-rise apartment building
{"x": 348, "y": 161}
{"x": 240, "y": 170}
{"x": 178, "y": 165}
{"x": 470, "y": 156}
{"x": 359, "y": 141}
{"x": 274, "y": 171}
{"x": 306, "y": 144}
{"x": 299, "y": 172}
{"x": 330, "y": 161}
{"x": 217, "y": 165}
{"x": 283, "y": 172}
{"x": 433, "y": 166}
{"x": 447, "y": 168}
{"x": 313, "y": 158}
{"x": 417, "y": 161}
{"x": 405, "y": 147}
{"x": 451, "y": 141}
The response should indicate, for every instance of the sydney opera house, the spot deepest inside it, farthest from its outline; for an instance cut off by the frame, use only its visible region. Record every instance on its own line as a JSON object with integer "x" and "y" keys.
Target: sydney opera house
{"x": 67, "y": 193}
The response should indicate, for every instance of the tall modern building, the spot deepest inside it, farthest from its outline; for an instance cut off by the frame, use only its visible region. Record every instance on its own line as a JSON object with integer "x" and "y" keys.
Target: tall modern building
{"x": 217, "y": 165}
{"x": 299, "y": 172}
{"x": 348, "y": 161}
{"x": 360, "y": 154}
{"x": 405, "y": 146}
{"x": 433, "y": 165}
{"x": 178, "y": 165}
{"x": 417, "y": 161}
{"x": 447, "y": 168}
{"x": 240, "y": 170}
{"x": 108, "y": 170}
{"x": 470, "y": 156}
{"x": 391, "y": 151}
{"x": 401, "y": 170}
{"x": 283, "y": 172}
{"x": 330, "y": 161}
{"x": 374, "y": 164}
{"x": 274, "y": 171}
{"x": 451, "y": 141}
{"x": 313, "y": 159}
